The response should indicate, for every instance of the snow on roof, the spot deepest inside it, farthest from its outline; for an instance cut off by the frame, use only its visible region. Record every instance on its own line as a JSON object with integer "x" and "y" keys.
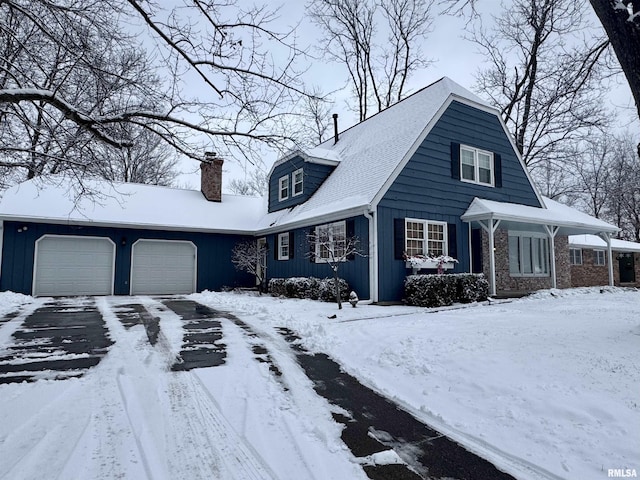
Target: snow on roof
{"x": 555, "y": 214}
{"x": 128, "y": 205}
{"x": 593, "y": 241}
{"x": 372, "y": 150}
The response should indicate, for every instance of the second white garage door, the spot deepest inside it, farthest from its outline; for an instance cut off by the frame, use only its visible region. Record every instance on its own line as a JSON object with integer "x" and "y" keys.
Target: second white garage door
{"x": 160, "y": 267}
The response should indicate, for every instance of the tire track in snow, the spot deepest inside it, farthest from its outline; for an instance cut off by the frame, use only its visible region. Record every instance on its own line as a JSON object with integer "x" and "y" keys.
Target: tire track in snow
{"x": 198, "y": 442}
{"x": 219, "y": 447}
{"x": 260, "y": 347}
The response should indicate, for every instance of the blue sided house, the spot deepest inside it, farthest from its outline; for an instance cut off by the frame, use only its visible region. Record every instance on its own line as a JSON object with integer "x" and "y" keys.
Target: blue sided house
{"x": 435, "y": 177}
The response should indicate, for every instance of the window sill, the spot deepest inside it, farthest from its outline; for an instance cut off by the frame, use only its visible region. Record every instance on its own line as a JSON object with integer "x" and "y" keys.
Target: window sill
{"x": 473, "y": 182}
{"x": 427, "y": 264}
{"x": 530, "y": 275}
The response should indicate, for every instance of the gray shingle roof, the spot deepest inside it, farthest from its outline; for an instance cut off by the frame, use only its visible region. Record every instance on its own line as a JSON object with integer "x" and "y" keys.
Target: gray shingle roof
{"x": 372, "y": 152}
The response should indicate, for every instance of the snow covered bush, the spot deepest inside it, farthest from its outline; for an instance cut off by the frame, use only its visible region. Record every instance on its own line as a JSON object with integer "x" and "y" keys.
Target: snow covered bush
{"x": 308, "y": 287}
{"x": 327, "y": 290}
{"x": 440, "y": 290}
{"x": 472, "y": 287}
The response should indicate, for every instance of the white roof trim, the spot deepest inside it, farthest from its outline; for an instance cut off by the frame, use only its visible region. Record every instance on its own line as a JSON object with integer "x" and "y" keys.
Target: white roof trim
{"x": 310, "y": 157}
{"x": 312, "y": 220}
{"x": 553, "y": 214}
{"x": 594, "y": 242}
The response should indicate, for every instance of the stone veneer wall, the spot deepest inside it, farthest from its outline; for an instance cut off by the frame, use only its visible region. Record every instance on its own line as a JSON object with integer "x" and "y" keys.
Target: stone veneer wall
{"x": 590, "y": 275}
{"x": 506, "y": 283}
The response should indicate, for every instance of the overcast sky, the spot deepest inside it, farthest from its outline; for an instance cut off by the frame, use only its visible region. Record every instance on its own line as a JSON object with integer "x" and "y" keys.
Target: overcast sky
{"x": 452, "y": 56}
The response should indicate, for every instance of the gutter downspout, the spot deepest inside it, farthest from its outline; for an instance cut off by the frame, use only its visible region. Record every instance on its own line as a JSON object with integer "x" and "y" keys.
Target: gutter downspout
{"x": 373, "y": 254}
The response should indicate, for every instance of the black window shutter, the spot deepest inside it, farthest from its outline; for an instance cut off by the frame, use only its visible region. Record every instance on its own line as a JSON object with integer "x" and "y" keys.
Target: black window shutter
{"x": 398, "y": 238}
{"x": 291, "y": 245}
{"x": 451, "y": 240}
{"x": 455, "y": 161}
{"x": 476, "y": 250}
{"x": 276, "y": 244}
{"x": 497, "y": 167}
{"x": 350, "y": 232}
{"x": 311, "y": 238}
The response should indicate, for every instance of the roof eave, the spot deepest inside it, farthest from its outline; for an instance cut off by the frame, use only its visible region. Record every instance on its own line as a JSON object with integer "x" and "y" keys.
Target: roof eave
{"x": 315, "y": 220}
{"x": 128, "y": 225}
{"x": 535, "y": 221}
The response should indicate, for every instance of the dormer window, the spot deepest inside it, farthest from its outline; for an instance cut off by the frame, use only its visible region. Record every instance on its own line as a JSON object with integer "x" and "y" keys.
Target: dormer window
{"x": 283, "y": 188}
{"x": 298, "y": 185}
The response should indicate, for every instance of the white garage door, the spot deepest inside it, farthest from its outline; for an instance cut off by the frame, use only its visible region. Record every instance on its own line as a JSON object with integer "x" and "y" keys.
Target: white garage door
{"x": 161, "y": 267}
{"x": 66, "y": 265}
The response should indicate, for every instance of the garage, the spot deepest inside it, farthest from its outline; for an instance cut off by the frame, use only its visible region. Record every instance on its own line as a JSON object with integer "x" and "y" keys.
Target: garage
{"x": 68, "y": 265}
{"x": 160, "y": 267}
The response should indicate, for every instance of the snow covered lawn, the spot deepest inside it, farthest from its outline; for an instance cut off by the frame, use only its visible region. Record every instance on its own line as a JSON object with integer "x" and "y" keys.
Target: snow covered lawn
{"x": 545, "y": 387}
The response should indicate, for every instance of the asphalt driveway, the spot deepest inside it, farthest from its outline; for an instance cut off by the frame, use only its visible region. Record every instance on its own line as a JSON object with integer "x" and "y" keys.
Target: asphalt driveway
{"x": 66, "y": 337}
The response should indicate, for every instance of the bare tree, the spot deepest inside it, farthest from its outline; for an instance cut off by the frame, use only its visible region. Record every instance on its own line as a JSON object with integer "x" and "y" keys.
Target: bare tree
{"x": 623, "y": 29}
{"x": 623, "y": 187}
{"x": 251, "y": 256}
{"x": 592, "y": 166}
{"x": 621, "y": 22}
{"x": 71, "y": 75}
{"x": 255, "y": 184}
{"x": 331, "y": 245}
{"x": 377, "y": 41}
{"x": 548, "y": 86}
{"x": 316, "y": 116}
{"x": 148, "y": 160}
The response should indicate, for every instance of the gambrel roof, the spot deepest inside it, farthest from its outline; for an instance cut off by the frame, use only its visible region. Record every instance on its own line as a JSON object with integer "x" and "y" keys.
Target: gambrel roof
{"x": 371, "y": 154}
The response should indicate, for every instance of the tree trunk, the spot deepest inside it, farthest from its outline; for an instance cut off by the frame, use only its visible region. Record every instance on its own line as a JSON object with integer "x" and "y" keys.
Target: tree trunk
{"x": 625, "y": 40}
{"x": 337, "y": 287}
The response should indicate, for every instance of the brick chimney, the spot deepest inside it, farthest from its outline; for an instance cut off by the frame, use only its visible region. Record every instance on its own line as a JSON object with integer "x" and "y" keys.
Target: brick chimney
{"x": 211, "y": 177}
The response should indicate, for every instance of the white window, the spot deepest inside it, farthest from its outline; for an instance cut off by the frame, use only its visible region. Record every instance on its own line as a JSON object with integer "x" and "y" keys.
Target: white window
{"x": 298, "y": 179}
{"x": 528, "y": 254}
{"x": 424, "y": 237}
{"x": 330, "y": 241}
{"x": 283, "y": 246}
{"x": 283, "y": 188}
{"x": 599, "y": 257}
{"x": 476, "y": 166}
{"x": 575, "y": 256}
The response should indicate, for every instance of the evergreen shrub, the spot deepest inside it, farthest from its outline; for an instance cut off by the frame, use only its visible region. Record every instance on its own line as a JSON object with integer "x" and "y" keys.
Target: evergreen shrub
{"x": 445, "y": 289}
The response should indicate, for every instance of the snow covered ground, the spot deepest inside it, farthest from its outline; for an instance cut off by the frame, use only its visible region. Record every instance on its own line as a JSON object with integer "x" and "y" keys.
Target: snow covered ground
{"x": 545, "y": 387}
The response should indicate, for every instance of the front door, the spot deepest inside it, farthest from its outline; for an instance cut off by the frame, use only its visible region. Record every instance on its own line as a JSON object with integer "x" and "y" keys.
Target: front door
{"x": 627, "y": 268}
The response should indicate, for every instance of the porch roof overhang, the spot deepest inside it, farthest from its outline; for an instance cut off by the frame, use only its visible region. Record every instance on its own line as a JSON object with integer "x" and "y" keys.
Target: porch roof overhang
{"x": 567, "y": 220}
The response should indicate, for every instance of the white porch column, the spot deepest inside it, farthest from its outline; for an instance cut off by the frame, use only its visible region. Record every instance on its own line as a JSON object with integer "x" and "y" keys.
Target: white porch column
{"x": 552, "y": 232}
{"x": 490, "y": 227}
{"x": 607, "y": 238}
{"x": 470, "y": 249}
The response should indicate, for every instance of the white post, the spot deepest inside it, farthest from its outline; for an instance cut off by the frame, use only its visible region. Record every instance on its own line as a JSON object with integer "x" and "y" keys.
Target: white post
{"x": 491, "y": 228}
{"x": 552, "y": 232}
{"x": 470, "y": 249}
{"x": 607, "y": 238}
